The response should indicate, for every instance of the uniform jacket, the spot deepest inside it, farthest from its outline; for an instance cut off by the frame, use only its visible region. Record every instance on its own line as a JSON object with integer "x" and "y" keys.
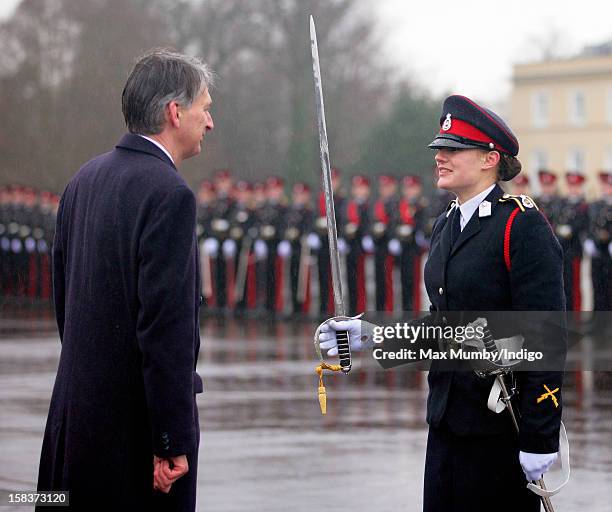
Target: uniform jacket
{"x": 126, "y": 292}
{"x": 473, "y": 276}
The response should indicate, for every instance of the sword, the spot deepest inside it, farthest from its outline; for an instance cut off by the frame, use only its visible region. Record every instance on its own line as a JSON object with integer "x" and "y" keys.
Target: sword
{"x": 344, "y": 351}
{"x": 243, "y": 264}
{"x": 205, "y": 271}
{"x": 303, "y": 272}
{"x": 506, "y": 398}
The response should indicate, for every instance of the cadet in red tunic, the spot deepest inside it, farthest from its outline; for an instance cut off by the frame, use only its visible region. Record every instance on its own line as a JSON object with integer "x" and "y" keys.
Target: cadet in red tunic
{"x": 384, "y": 219}
{"x": 354, "y": 230}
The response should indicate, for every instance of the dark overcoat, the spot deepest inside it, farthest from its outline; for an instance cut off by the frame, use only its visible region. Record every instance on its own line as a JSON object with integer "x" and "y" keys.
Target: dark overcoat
{"x": 126, "y": 291}
{"x": 472, "y": 457}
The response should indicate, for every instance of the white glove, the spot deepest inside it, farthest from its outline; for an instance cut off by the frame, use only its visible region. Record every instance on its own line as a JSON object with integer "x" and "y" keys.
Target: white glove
{"x": 589, "y": 248}
{"x": 360, "y": 334}
{"x": 30, "y": 244}
{"x": 42, "y": 246}
{"x": 343, "y": 248}
{"x": 261, "y": 249}
{"x": 421, "y": 240}
{"x": 394, "y": 247}
{"x": 284, "y": 249}
{"x": 211, "y": 246}
{"x": 313, "y": 241}
{"x": 367, "y": 244}
{"x": 536, "y": 464}
{"x": 16, "y": 245}
{"x": 229, "y": 248}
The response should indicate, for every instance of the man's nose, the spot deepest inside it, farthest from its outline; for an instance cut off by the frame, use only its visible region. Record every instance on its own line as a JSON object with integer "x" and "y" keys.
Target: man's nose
{"x": 210, "y": 125}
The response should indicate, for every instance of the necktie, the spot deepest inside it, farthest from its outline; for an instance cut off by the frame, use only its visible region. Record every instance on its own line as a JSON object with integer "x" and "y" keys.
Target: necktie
{"x": 456, "y": 225}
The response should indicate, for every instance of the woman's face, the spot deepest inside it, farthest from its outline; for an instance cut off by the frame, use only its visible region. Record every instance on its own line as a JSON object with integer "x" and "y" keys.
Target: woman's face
{"x": 466, "y": 172}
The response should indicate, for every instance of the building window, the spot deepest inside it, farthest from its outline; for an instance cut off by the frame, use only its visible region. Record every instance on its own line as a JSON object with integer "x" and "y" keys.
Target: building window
{"x": 539, "y": 161}
{"x": 575, "y": 160}
{"x": 539, "y": 109}
{"x": 577, "y": 108}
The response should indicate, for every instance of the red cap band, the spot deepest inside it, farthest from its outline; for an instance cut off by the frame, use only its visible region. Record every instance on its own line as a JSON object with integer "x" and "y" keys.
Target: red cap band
{"x": 470, "y": 132}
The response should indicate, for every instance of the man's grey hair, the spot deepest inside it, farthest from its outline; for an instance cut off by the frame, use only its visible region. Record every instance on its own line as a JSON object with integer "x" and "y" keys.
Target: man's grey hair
{"x": 159, "y": 77}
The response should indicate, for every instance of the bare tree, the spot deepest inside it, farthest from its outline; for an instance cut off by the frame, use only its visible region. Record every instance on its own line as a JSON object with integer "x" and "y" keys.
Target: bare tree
{"x": 66, "y": 62}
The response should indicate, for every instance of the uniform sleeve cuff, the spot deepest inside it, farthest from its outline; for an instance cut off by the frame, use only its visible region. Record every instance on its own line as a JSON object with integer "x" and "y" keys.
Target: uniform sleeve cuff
{"x": 533, "y": 443}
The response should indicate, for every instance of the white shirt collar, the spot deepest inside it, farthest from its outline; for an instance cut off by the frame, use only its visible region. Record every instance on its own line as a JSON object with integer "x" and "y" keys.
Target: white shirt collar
{"x": 158, "y": 144}
{"x": 471, "y": 205}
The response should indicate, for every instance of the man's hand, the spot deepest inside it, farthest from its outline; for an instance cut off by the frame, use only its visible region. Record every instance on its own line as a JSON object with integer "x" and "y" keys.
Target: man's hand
{"x": 167, "y": 471}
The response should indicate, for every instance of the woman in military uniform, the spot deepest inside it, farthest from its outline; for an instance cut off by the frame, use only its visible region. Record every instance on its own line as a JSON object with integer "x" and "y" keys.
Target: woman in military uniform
{"x": 489, "y": 252}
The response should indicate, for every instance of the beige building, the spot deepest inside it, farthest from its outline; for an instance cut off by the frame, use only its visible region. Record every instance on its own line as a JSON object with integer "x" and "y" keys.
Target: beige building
{"x": 562, "y": 114}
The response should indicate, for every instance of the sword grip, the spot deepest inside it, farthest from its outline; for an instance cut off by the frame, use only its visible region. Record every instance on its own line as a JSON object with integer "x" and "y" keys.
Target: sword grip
{"x": 344, "y": 350}
{"x": 489, "y": 341}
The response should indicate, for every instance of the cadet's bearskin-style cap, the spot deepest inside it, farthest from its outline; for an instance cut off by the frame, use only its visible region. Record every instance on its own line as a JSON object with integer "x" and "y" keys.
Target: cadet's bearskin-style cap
{"x": 546, "y": 177}
{"x": 574, "y": 178}
{"x": 360, "y": 180}
{"x": 300, "y": 187}
{"x": 605, "y": 177}
{"x": 223, "y": 173}
{"x": 411, "y": 180}
{"x": 465, "y": 124}
{"x": 387, "y": 179}
{"x": 275, "y": 181}
{"x": 521, "y": 179}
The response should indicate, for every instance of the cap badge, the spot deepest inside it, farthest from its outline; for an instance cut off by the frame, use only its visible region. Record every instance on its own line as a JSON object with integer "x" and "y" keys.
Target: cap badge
{"x": 447, "y": 123}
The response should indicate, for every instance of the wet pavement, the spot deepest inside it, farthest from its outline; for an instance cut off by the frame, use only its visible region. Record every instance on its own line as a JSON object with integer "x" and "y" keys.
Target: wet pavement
{"x": 265, "y": 445}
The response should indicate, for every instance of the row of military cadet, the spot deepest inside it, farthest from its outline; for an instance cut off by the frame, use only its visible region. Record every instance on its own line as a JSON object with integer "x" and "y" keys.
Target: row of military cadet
{"x": 262, "y": 253}
{"x": 27, "y": 225}
{"x": 582, "y": 228}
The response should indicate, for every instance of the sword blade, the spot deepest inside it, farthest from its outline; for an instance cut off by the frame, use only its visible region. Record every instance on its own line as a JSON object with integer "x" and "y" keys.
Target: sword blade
{"x": 332, "y": 233}
{"x": 344, "y": 351}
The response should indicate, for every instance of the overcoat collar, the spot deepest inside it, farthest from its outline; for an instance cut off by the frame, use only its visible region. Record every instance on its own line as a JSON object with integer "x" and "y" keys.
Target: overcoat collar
{"x": 472, "y": 227}
{"x": 135, "y": 142}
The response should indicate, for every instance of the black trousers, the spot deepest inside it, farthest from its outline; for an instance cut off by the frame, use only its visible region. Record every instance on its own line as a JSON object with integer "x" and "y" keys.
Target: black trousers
{"x": 323, "y": 263}
{"x": 602, "y": 281}
{"x": 294, "y": 274}
{"x": 474, "y": 474}
{"x": 407, "y": 273}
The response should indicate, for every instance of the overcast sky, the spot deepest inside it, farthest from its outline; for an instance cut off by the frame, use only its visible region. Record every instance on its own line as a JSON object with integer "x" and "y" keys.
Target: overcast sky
{"x": 469, "y": 46}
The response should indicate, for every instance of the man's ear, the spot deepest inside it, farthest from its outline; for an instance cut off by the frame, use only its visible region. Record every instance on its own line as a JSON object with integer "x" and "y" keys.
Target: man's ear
{"x": 173, "y": 114}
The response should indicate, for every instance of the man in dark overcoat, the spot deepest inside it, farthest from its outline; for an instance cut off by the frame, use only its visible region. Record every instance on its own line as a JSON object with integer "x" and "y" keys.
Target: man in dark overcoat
{"x": 122, "y": 431}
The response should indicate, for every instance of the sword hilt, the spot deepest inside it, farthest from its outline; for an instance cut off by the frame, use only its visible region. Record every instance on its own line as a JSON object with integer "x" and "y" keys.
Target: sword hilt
{"x": 488, "y": 341}
{"x": 344, "y": 350}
